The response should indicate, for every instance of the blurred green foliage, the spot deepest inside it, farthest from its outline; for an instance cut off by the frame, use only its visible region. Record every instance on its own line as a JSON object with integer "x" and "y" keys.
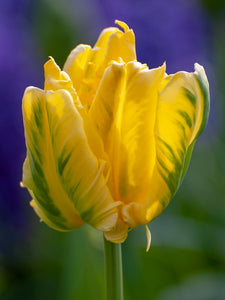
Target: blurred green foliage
{"x": 54, "y": 30}
{"x": 187, "y": 258}
{"x": 214, "y": 7}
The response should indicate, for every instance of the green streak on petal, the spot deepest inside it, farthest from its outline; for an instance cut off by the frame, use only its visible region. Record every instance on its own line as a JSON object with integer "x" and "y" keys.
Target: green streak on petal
{"x": 172, "y": 157}
{"x": 41, "y": 186}
{"x": 204, "y": 88}
{"x": 186, "y": 117}
{"x": 184, "y": 135}
{"x": 171, "y": 177}
{"x": 187, "y": 161}
{"x": 63, "y": 159}
{"x": 73, "y": 190}
{"x": 164, "y": 201}
{"x": 87, "y": 215}
{"x": 40, "y": 192}
{"x": 190, "y": 96}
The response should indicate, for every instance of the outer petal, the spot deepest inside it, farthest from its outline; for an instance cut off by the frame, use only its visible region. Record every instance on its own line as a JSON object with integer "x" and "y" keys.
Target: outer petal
{"x": 182, "y": 114}
{"x": 62, "y": 173}
{"x": 86, "y": 66}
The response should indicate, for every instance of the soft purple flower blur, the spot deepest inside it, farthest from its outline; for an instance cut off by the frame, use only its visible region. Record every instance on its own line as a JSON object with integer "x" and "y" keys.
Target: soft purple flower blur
{"x": 174, "y": 31}
{"x": 19, "y": 68}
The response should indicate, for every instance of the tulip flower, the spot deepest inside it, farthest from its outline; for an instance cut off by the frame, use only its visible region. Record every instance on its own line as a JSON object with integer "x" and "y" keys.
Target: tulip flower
{"x": 108, "y": 139}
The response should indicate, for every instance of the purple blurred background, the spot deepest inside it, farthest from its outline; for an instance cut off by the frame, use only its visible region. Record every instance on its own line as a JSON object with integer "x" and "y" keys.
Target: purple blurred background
{"x": 175, "y": 31}
{"x": 20, "y": 66}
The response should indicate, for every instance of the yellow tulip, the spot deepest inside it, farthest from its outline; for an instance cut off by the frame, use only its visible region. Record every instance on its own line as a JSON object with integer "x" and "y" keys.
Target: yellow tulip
{"x": 108, "y": 139}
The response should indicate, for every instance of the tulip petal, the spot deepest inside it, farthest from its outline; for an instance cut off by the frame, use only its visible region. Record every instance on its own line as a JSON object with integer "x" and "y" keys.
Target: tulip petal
{"x": 86, "y": 65}
{"x": 53, "y": 221}
{"x": 104, "y": 108}
{"x": 76, "y": 67}
{"x": 114, "y": 43}
{"x": 63, "y": 174}
{"x": 133, "y": 160}
{"x": 56, "y": 79}
{"x": 37, "y": 166}
{"x": 124, "y": 113}
{"x": 182, "y": 114}
{"x": 203, "y": 112}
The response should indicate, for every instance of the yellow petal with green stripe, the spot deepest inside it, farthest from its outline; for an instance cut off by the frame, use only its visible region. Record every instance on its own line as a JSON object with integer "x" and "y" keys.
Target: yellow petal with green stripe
{"x": 63, "y": 174}
{"x": 37, "y": 171}
{"x": 181, "y": 115}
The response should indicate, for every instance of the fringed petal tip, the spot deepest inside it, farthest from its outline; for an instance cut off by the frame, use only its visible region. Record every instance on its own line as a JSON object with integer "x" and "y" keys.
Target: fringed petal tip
{"x": 122, "y": 25}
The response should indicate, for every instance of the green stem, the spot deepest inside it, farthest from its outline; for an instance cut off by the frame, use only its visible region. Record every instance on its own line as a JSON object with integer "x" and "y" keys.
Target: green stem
{"x": 113, "y": 271}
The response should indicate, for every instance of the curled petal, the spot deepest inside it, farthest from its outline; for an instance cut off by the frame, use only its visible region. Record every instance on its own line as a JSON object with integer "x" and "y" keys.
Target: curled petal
{"x": 114, "y": 43}
{"x": 86, "y": 65}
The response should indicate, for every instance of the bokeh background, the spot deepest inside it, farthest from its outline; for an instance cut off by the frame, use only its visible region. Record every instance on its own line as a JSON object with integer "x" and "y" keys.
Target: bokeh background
{"x": 187, "y": 257}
